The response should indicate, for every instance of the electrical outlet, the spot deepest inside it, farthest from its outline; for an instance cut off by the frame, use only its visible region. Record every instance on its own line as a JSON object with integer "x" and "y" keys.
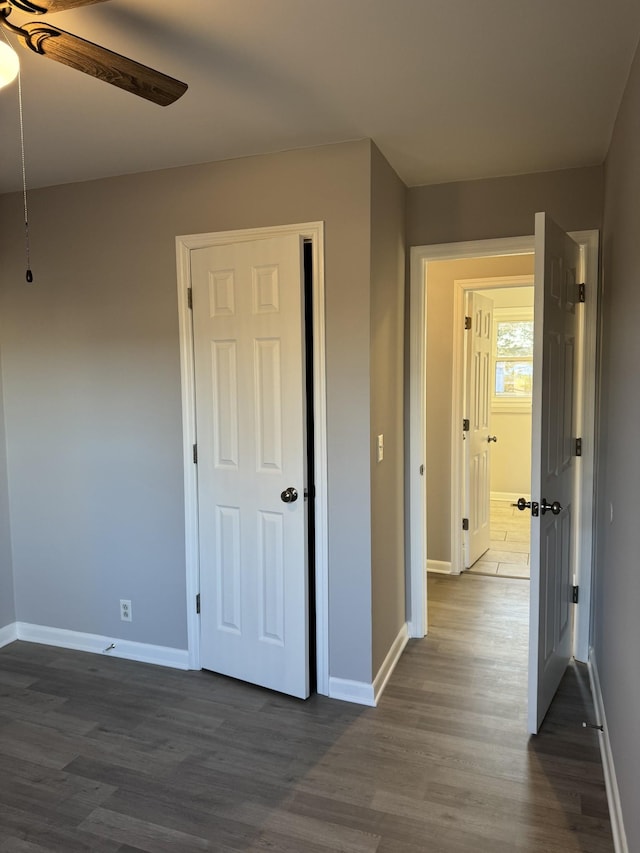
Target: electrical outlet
{"x": 125, "y": 610}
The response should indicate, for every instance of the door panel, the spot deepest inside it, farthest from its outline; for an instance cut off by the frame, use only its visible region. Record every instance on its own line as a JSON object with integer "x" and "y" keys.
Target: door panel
{"x": 478, "y": 409}
{"x": 249, "y": 369}
{"x": 552, "y": 474}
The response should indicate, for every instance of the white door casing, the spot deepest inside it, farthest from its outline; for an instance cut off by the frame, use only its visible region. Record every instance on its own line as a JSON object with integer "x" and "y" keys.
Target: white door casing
{"x": 185, "y": 245}
{"x": 557, "y": 262}
{"x": 477, "y": 439}
{"x": 248, "y": 348}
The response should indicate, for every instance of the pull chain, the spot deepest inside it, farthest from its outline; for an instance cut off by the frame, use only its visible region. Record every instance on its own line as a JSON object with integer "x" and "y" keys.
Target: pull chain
{"x": 29, "y": 275}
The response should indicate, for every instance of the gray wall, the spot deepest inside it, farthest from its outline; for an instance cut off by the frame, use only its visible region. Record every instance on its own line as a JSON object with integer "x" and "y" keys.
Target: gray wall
{"x": 387, "y": 366}
{"x": 616, "y": 623}
{"x": 504, "y": 207}
{"x": 92, "y": 387}
{"x": 7, "y": 605}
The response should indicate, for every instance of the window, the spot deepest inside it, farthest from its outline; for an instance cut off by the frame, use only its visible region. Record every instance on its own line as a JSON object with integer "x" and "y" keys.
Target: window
{"x": 512, "y": 358}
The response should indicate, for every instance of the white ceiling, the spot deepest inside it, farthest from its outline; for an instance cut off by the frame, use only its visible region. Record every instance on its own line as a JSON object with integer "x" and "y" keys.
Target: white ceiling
{"x": 448, "y": 89}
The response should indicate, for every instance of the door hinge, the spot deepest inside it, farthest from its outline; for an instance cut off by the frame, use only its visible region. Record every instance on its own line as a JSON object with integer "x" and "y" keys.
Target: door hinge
{"x": 190, "y": 297}
{"x": 574, "y": 594}
{"x": 465, "y": 523}
{"x": 581, "y": 293}
{"x": 198, "y": 603}
{"x": 195, "y": 454}
{"x": 465, "y": 425}
{"x": 467, "y": 323}
{"x": 578, "y": 447}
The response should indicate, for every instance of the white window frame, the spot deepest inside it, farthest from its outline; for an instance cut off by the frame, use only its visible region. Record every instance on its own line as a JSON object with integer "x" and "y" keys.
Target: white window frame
{"x": 506, "y": 403}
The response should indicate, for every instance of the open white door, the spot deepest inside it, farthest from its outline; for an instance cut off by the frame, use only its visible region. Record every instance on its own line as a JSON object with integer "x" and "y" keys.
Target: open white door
{"x": 478, "y": 438}
{"x": 249, "y": 377}
{"x": 553, "y": 448}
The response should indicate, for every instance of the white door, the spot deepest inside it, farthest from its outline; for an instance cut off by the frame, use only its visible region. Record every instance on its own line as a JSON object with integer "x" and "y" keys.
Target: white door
{"x": 553, "y": 447}
{"x": 478, "y": 439}
{"x": 250, "y": 421}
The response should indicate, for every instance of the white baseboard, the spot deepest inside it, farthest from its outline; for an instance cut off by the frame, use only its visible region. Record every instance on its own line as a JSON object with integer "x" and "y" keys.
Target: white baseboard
{"x": 389, "y": 663}
{"x": 509, "y": 497}
{"x": 347, "y": 690}
{"x": 143, "y": 652}
{"x": 8, "y": 634}
{"x": 363, "y": 693}
{"x": 440, "y": 567}
{"x": 611, "y": 783}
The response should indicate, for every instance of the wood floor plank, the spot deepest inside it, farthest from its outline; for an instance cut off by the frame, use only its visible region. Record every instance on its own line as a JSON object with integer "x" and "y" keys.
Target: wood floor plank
{"x": 112, "y": 756}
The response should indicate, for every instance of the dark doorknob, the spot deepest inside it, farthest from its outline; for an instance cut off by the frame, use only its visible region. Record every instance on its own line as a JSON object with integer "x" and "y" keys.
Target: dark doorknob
{"x": 522, "y": 504}
{"x": 555, "y": 507}
{"x": 289, "y": 495}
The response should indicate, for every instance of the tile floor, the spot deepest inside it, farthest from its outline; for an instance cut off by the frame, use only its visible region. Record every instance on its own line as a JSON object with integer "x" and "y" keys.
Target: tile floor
{"x": 508, "y": 555}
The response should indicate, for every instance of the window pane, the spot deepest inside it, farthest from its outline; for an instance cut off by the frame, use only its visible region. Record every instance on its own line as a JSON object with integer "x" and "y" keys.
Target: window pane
{"x": 514, "y": 378}
{"x": 514, "y": 338}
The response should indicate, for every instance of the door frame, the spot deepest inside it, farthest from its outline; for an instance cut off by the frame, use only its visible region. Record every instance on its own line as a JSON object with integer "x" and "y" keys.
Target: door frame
{"x": 309, "y": 231}
{"x": 460, "y": 289}
{"x": 420, "y": 258}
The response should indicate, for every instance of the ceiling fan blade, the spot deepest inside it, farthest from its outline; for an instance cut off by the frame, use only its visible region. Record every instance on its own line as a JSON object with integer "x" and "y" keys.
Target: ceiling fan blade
{"x": 101, "y": 63}
{"x": 40, "y": 7}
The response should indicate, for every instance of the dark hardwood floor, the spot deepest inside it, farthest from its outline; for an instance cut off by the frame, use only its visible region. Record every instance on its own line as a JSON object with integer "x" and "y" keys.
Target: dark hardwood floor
{"x": 99, "y": 754}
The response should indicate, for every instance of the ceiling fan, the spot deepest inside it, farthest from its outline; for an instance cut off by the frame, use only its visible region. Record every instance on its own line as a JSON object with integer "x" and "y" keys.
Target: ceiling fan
{"x": 86, "y": 56}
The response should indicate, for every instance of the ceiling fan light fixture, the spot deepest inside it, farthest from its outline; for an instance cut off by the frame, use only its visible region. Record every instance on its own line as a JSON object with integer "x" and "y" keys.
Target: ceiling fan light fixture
{"x": 9, "y": 64}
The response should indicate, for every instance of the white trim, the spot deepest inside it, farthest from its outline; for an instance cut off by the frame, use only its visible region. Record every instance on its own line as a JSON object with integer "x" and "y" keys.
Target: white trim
{"x": 416, "y": 559}
{"x": 417, "y": 538}
{"x": 473, "y": 249}
{"x": 509, "y": 497}
{"x": 457, "y": 538}
{"x": 187, "y": 385}
{"x": 313, "y": 231}
{"x": 8, "y": 634}
{"x": 416, "y": 552}
{"x": 460, "y": 289}
{"x": 509, "y": 403}
{"x": 96, "y": 644}
{"x": 589, "y": 242}
{"x": 439, "y": 567}
{"x": 512, "y": 406}
{"x": 389, "y": 663}
{"x": 359, "y": 692}
{"x": 363, "y": 693}
{"x": 610, "y": 780}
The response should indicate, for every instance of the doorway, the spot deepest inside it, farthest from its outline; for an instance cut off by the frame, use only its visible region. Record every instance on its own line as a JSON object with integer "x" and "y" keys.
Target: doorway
{"x": 421, "y": 258}
{"x": 313, "y": 235}
{"x": 504, "y": 439}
